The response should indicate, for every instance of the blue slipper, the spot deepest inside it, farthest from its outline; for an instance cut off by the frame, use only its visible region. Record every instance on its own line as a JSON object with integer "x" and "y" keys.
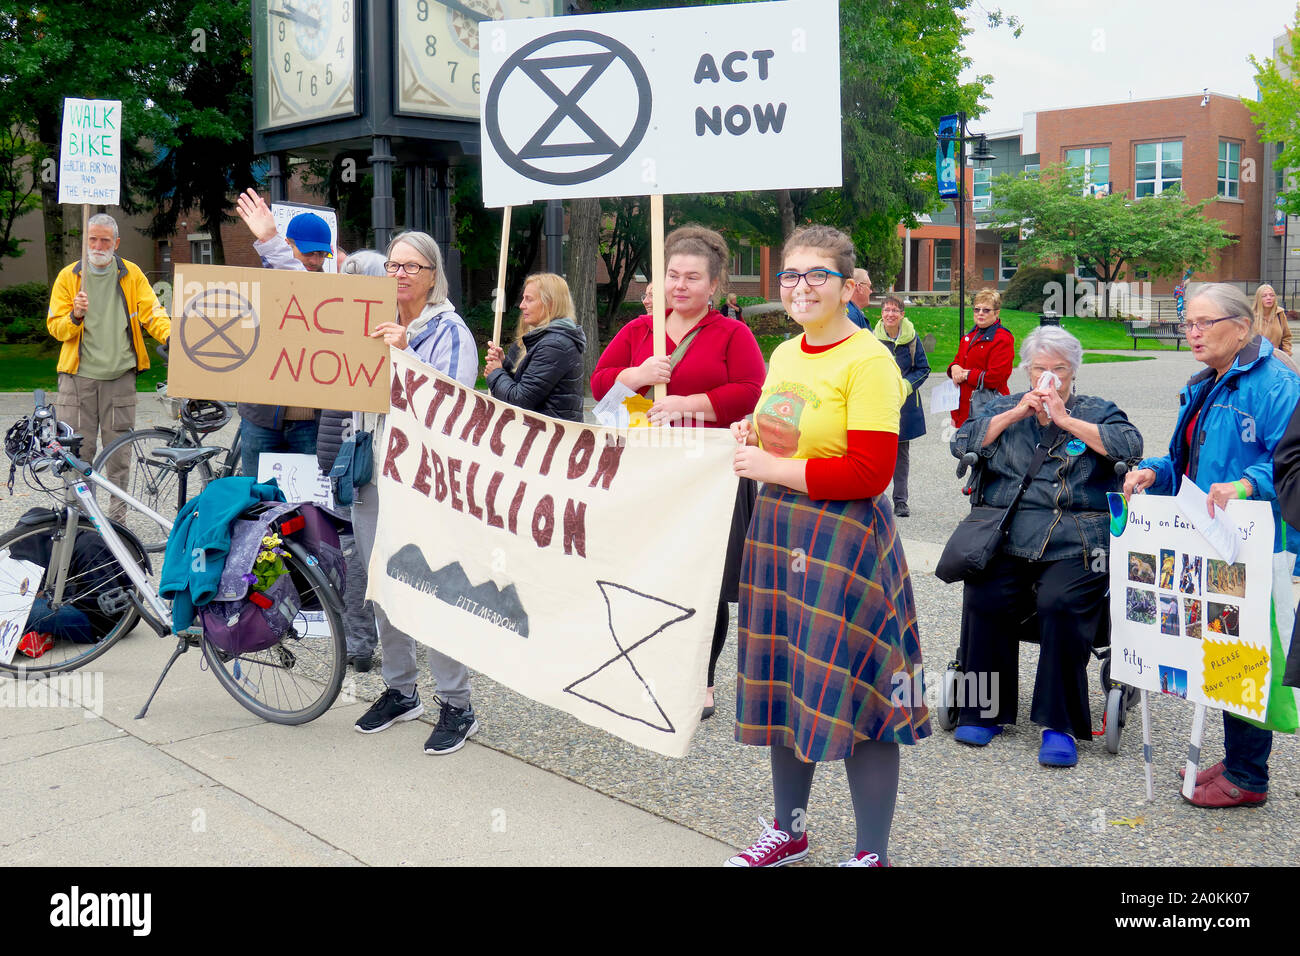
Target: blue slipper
{"x": 1058, "y": 750}
{"x": 975, "y": 735}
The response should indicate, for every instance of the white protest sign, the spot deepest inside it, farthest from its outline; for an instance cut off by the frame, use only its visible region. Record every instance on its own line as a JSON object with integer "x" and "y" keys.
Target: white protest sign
{"x": 560, "y": 559}
{"x": 1184, "y": 621}
{"x": 298, "y": 476}
{"x": 282, "y": 212}
{"x": 90, "y": 152}
{"x": 700, "y": 99}
{"x": 21, "y": 581}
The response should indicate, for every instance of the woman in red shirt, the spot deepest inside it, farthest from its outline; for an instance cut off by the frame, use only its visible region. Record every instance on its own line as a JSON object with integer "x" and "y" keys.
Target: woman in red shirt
{"x": 714, "y": 382}
{"x": 984, "y": 356}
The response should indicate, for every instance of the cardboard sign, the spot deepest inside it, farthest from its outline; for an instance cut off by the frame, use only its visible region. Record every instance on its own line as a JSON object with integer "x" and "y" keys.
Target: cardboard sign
{"x": 284, "y": 211}
{"x": 90, "y": 152}
{"x": 1184, "y": 621}
{"x": 298, "y": 476}
{"x": 700, "y": 99}
{"x": 280, "y": 338}
{"x": 561, "y": 559}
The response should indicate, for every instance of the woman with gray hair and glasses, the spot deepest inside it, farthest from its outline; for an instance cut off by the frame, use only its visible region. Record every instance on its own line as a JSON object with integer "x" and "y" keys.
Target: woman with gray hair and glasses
{"x": 1056, "y": 534}
{"x": 1232, "y": 415}
{"x": 428, "y": 327}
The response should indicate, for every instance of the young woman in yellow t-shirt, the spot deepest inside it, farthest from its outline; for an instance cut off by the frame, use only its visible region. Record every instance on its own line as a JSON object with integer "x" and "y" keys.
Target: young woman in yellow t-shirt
{"x": 830, "y": 659}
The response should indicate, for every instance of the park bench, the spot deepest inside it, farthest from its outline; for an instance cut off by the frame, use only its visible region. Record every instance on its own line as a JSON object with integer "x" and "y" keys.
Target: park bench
{"x": 1144, "y": 329}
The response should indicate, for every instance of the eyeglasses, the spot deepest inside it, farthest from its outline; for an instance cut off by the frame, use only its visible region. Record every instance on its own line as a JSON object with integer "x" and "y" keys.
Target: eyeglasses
{"x": 410, "y": 268}
{"x": 814, "y": 277}
{"x": 1204, "y": 325}
{"x": 981, "y": 308}
{"x": 1060, "y": 371}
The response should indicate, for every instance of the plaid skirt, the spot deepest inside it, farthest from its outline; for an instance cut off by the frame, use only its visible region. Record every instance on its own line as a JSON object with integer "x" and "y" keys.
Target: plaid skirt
{"x": 829, "y": 649}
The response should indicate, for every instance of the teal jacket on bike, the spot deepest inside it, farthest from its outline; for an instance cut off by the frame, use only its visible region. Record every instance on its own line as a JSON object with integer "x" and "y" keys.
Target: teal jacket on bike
{"x": 200, "y": 540}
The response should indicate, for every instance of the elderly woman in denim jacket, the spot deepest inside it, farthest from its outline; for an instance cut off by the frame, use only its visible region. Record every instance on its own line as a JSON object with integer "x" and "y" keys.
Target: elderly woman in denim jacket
{"x": 1232, "y": 417}
{"x": 1058, "y": 540}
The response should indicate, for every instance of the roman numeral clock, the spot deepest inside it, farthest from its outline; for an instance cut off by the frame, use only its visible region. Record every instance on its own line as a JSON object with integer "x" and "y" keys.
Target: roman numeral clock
{"x": 387, "y": 82}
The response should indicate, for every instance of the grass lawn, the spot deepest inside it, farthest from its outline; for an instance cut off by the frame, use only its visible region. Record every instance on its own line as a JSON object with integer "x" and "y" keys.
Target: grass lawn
{"x": 24, "y": 368}
{"x": 942, "y": 322}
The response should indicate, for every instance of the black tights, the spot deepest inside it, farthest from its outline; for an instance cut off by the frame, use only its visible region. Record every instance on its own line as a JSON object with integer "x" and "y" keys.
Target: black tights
{"x": 719, "y": 637}
{"x": 872, "y": 769}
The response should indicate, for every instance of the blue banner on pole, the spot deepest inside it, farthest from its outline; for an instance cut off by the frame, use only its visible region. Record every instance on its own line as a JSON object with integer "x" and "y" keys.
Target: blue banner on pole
{"x": 945, "y": 157}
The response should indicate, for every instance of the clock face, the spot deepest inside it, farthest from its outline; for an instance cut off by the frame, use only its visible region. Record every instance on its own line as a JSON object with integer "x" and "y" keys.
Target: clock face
{"x": 437, "y": 52}
{"x": 308, "y": 60}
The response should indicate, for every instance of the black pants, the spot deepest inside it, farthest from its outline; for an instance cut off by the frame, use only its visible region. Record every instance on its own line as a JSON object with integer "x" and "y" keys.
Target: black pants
{"x": 1070, "y": 606}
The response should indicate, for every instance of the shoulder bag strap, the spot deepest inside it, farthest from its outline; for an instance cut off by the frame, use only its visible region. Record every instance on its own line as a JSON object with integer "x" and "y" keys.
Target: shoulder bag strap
{"x": 682, "y": 346}
{"x": 1040, "y": 455}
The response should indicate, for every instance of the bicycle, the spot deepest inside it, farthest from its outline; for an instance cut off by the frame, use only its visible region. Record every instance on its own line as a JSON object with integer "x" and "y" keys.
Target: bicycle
{"x": 156, "y": 480}
{"x": 77, "y": 558}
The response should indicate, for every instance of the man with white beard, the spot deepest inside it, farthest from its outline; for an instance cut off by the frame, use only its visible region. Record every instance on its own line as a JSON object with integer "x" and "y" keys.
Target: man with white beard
{"x": 98, "y": 317}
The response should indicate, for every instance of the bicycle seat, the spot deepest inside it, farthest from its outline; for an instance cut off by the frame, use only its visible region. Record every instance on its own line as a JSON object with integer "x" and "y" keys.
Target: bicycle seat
{"x": 185, "y": 458}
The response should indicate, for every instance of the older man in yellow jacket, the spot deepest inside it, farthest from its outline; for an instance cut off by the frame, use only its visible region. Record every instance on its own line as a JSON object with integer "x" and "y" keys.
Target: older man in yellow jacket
{"x": 98, "y": 317}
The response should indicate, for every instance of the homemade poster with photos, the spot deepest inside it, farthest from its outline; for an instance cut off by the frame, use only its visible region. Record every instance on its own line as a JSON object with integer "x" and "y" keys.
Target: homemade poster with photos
{"x": 1184, "y": 621}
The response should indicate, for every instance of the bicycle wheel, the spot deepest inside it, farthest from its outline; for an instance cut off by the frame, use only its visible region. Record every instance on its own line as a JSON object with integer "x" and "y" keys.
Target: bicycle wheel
{"x": 151, "y": 480}
{"x": 297, "y": 679}
{"x": 96, "y": 592}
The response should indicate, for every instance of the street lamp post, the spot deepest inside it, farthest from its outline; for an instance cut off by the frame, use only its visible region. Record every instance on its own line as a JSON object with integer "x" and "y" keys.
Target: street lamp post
{"x": 960, "y": 135}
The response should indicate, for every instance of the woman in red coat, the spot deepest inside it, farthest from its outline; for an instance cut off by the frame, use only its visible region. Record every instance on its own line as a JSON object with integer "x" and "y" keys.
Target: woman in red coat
{"x": 985, "y": 355}
{"x": 713, "y": 383}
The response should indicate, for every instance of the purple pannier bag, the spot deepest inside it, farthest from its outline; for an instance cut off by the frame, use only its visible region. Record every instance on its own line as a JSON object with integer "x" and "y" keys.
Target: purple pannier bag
{"x": 240, "y": 620}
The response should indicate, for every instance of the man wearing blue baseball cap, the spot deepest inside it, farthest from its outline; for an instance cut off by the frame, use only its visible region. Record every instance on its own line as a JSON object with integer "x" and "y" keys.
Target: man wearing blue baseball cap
{"x": 305, "y": 247}
{"x": 308, "y": 236}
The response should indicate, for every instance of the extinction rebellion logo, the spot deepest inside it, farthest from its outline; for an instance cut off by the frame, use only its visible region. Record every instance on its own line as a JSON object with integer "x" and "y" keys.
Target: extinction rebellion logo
{"x": 581, "y": 137}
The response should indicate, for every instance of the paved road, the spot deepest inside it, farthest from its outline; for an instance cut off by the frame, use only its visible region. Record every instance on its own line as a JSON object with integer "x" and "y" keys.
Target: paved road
{"x": 324, "y": 794}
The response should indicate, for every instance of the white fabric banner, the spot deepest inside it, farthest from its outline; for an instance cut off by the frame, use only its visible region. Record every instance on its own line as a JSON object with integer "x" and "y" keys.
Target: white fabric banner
{"x": 578, "y": 565}
{"x": 1184, "y": 621}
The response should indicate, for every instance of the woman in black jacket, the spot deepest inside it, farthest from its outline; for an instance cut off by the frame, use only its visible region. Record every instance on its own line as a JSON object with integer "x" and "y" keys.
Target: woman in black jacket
{"x": 543, "y": 371}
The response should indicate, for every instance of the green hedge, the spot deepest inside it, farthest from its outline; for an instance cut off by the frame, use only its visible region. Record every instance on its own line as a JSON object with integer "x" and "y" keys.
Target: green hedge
{"x": 22, "y": 313}
{"x": 1025, "y": 290}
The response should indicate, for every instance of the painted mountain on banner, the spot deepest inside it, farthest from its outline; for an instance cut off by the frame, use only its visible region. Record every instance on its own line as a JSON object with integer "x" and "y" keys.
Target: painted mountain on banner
{"x": 451, "y": 585}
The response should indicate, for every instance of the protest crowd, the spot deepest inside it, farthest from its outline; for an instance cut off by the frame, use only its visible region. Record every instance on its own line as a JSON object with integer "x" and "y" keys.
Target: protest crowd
{"x": 826, "y": 617}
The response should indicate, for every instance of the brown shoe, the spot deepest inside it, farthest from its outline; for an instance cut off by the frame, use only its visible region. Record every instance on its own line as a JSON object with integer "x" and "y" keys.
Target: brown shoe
{"x": 1202, "y": 776}
{"x": 1221, "y": 792}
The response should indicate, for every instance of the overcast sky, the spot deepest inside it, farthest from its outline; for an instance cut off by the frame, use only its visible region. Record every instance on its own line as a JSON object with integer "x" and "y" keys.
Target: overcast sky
{"x": 1081, "y": 52}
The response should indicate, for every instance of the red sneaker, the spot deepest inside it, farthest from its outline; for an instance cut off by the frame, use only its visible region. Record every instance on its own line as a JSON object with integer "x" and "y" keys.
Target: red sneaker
{"x": 774, "y": 848}
{"x": 1222, "y": 792}
{"x": 34, "y": 644}
{"x": 1203, "y": 776}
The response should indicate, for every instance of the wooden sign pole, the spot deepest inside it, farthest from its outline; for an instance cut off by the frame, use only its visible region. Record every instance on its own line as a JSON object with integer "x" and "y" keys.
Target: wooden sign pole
{"x": 501, "y": 276}
{"x": 657, "y": 283}
{"x": 85, "y": 240}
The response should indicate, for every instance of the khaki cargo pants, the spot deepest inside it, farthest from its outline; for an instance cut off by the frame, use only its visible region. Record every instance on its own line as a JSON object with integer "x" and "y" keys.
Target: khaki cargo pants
{"x": 100, "y": 410}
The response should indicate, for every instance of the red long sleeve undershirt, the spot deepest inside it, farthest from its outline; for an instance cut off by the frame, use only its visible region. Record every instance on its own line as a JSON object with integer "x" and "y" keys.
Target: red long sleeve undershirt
{"x": 864, "y": 471}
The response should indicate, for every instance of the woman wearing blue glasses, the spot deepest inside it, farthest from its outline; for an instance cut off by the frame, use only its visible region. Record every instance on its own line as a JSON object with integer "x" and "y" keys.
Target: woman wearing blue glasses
{"x": 830, "y": 659}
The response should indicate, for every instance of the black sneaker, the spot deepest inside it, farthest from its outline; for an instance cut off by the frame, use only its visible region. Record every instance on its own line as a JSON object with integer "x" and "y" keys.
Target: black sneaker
{"x": 455, "y": 726}
{"x": 388, "y": 710}
{"x": 361, "y": 662}
{"x": 901, "y": 510}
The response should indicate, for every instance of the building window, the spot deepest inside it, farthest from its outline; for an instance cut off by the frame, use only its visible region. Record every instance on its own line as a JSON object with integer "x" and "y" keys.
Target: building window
{"x": 201, "y": 252}
{"x": 1006, "y": 260}
{"x": 1229, "y": 170}
{"x": 1031, "y": 167}
{"x": 745, "y": 263}
{"x": 943, "y": 262}
{"x": 1095, "y": 161}
{"x": 1157, "y": 167}
{"x": 983, "y": 189}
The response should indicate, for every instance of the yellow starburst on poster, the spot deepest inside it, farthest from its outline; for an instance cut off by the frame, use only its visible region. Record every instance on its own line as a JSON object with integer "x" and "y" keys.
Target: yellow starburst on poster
{"x": 1236, "y": 674}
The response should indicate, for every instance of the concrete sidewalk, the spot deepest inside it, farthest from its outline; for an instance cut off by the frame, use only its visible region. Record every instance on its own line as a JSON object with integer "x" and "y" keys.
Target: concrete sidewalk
{"x": 202, "y": 781}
